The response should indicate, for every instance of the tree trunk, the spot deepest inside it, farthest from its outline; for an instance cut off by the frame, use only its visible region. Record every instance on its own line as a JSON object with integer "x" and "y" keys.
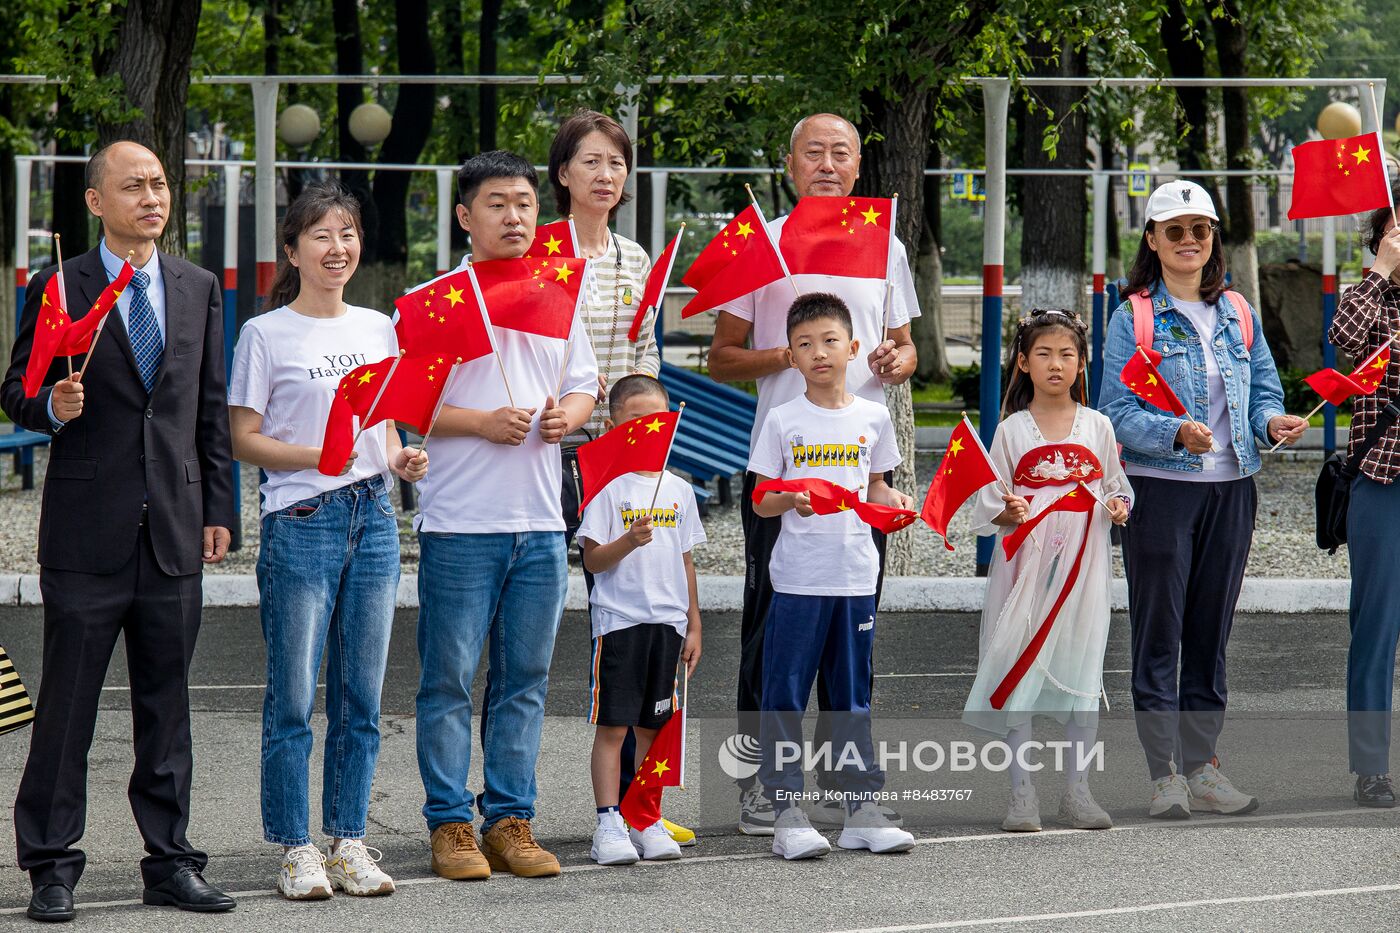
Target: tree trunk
{"x": 272, "y": 37}
{"x": 457, "y": 122}
{"x": 155, "y": 45}
{"x": 1052, "y": 241}
{"x": 71, "y": 219}
{"x": 1108, "y": 156}
{"x": 927, "y": 329}
{"x": 349, "y": 60}
{"x": 486, "y": 94}
{"x": 1237, "y": 221}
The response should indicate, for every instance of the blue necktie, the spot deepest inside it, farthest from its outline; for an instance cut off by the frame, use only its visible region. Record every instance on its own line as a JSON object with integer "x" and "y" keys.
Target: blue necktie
{"x": 146, "y": 342}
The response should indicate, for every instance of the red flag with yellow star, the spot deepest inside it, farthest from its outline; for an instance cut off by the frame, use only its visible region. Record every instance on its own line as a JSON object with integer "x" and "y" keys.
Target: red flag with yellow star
{"x": 745, "y": 255}
{"x": 442, "y": 318}
{"x": 664, "y": 766}
{"x": 838, "y": 236}
{"x": 636, "y": 446}
{"x": 78, "y": 337}
{"x": 1143, "y": 380}
{"x": 724, "y": 248}
{"x": 830, "y": 499}
{"x": 53, "y": 321}
{"x": 1334, "y": 177}
{"x": 403, "y": 389}
{"x": 1363, "y": 380}
{"x": 537, "y": 295}
{"x": 965, "y": 468}
{"x": 556, "y": 239}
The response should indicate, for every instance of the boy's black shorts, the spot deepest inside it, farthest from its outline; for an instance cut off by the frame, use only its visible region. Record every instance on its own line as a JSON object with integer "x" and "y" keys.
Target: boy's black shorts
{"x": 632, "y": 677}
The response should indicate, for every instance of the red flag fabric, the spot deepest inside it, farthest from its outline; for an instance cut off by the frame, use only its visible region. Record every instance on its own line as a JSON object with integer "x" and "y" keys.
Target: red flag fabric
{"x": 829, "y": 499}
{"x": 49, "y": 329}
{"x": 1363, "y": 380}
{"x": 442, "y": 318}
{"x": 410, "y": 395}
{"x": 838, "y": 236}
{"x": 724, "y": 248}
{"x": 655, "y": 291}
{"x": 964, "y": 469}
{"x": 1079, "y": 499}
{"x": 78, "y": 337}
{"x": 1143, "y": 380}
{"x": 1371, "y": 373}
{"x": 1335, "y": 177}
{"x": 534, "y": 295}
{"x": 661, "y": 768}
{"x": 556, "y": 239}
{"x": 639, "y": 445}
{"x": 756, "y": 265}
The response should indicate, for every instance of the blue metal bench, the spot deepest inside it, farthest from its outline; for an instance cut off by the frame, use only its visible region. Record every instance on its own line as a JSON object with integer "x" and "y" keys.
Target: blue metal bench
{"x": 712, "y": 442}
{"x": 23, "y": 442}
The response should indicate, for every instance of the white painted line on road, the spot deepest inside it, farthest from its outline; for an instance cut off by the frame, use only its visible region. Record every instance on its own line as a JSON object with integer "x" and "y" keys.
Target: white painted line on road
{"x": 1134, "y": 909}
{"x": 214, "y": 687}
{"x": 961, "y": 674}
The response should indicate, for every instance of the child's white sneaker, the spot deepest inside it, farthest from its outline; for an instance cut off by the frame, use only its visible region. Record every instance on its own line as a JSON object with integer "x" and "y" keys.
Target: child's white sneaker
{"x": 1170, "y": 799}
{"x": 351, "y": 868}
{"x": 655, "y": 843}
{"x": 1212, "y": 791}
{"x": 611, "y": 845}
{"x": 794, "y": 837}
{"x": 303, "y": 875}
{"x": 1079, "y": 810}
{"x": 868, "y": 828}
{"x": 1023, "y": 815}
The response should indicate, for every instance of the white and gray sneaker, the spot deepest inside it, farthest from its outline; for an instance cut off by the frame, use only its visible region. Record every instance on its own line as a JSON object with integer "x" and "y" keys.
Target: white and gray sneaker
{"x": 867, "y": 828}
{"x": 1212, "y": 792}
{"x": 755, "y": 812}
{"x": 352, "y": 868}
{"x": 611, "y": 845}
{"x": 1079, "y": 810}
{"x": 833, "y": 813}
{"x": 303, "y": 875}
{"x": 794, "y": 838}
{"x": 1170, "y": 799}
{"x": 1023, "y": 814}
{"x": 655, "y": 843}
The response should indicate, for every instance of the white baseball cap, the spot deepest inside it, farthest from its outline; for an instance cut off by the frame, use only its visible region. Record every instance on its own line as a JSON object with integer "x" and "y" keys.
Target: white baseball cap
{"x": 1179, "y": 198}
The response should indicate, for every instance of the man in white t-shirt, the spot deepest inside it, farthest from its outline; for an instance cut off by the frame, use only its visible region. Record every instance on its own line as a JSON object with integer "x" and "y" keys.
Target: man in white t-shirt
{"x": 750, "y": 342}
{"x": 492, "y": 569}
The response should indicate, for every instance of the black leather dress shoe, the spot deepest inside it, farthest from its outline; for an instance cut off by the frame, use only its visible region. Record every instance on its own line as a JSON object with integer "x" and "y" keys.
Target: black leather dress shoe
{"x": 51, "y": 903}
{"x": 1374, "y": 790}
{"x": 187, "y": 890}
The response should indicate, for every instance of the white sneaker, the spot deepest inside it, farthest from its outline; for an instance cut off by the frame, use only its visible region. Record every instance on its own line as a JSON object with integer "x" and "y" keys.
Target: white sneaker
{"x": 867, "y": 828}
{"x": 303, "y": 875}
{"x": 833, "y": 813}
{"x": 1169, "y": 798}
{"x": 655, "y": 843}
{"x": 1023, "y": 815}
{"x": 1079, "y": 810}
{"x": 1212, "y": 791}
{"x": 794, "y": 837}
{"x": 755, "y": 812}
{"x": 610, "y": 843}
{"x": 352, "y": 869}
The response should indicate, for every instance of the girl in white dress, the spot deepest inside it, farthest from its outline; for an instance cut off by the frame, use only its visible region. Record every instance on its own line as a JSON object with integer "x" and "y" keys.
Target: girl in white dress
{"x": 1045, "y": 619}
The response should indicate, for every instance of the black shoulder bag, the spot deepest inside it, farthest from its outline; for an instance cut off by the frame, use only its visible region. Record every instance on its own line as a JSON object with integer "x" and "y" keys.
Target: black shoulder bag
{"x": 1333, "y": 491}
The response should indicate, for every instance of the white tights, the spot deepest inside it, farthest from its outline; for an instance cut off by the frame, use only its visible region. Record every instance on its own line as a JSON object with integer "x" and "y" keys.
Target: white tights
{"x": 1081, "y": 739}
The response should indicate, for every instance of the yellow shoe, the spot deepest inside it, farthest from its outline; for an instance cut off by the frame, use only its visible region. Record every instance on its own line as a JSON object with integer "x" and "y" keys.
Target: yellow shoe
{"x": 679, "y": 834}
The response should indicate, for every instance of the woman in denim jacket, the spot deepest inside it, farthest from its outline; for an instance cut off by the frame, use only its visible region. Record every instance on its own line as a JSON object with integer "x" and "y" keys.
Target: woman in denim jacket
{"x": 1185, "y": 549}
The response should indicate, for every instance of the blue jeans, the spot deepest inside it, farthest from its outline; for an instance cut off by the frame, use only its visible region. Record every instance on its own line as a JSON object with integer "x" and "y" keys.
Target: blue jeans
{"x": 509, "y": 586}
{"x": 328, "y": 571}
{"x": 1375, "y": 622}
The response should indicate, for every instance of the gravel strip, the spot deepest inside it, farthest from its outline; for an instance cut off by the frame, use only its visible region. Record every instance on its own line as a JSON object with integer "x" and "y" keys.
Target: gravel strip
{"x": 1283, "y": 538}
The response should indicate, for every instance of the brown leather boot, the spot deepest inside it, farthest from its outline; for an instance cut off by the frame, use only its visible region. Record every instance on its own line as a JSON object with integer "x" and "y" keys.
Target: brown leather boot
{"x": 510, "y": 846}
{"x": 455, "y": 854}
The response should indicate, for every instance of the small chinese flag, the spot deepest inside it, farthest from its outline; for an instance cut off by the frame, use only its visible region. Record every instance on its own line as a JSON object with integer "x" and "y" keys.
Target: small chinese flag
{"x": 1335, "y": 177}
{"x": 724, "y": 248}
{"x": 78, "y": 337}
{"x": 536, "y": 295}
{"x": 442, "y": 318}
{"x": 49, "y": 329}
{"x": 664, "y": 766}
{"x": 838, "y": 236}
{"x": 655, "y": 291}
{"x": 1078, "y": 499}
{"x": 639, "y": 445}
{"x": 831, "y": 499}
{"x": 556, "y": 239}
{"x": 1363, "y": 380}
{"x": 964, "y": 469}
{"x": 746, "y": 257}
{"x": 411, "y": 385}
{"x": 1143, "y": 380}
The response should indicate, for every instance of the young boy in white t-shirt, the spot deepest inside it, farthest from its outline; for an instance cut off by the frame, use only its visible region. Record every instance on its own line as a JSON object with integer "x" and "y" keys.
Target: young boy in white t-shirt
{"x": 823, "y": 570}
{"x": 645, "y": 615}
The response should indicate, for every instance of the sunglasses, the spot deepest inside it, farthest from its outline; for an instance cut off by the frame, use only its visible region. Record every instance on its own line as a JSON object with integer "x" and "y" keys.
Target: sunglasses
{"x": 1200, "y": 231}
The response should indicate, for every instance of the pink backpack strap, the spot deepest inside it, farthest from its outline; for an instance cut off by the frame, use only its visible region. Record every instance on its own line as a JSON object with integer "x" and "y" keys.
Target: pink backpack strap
{"x": 1142, "y": 319}
{"x": 1246, "y": 319}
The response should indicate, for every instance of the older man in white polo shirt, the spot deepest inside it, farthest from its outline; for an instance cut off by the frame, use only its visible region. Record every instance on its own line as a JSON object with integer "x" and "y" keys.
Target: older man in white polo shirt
{"x": 750, "y": 343}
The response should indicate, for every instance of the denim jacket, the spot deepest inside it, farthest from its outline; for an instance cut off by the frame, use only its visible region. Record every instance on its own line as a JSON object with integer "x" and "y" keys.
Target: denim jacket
{"x": 1252, "y": 389}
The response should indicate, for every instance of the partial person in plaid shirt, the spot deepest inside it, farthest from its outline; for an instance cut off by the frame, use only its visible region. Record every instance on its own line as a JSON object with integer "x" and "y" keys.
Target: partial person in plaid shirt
{"x": 1368, "y": 318}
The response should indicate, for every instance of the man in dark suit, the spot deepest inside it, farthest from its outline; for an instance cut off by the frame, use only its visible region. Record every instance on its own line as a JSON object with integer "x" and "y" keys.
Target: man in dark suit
{"x": 137, "y": 491}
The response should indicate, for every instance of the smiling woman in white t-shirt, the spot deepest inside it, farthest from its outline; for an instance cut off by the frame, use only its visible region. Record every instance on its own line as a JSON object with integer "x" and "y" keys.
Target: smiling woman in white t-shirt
{"x": 328, "y": 567}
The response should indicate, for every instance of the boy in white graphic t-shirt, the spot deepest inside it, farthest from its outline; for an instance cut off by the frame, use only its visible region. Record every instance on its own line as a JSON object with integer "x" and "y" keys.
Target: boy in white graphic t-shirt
{"x": 645, "y": 615}
{"x": 823, "y": 571}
